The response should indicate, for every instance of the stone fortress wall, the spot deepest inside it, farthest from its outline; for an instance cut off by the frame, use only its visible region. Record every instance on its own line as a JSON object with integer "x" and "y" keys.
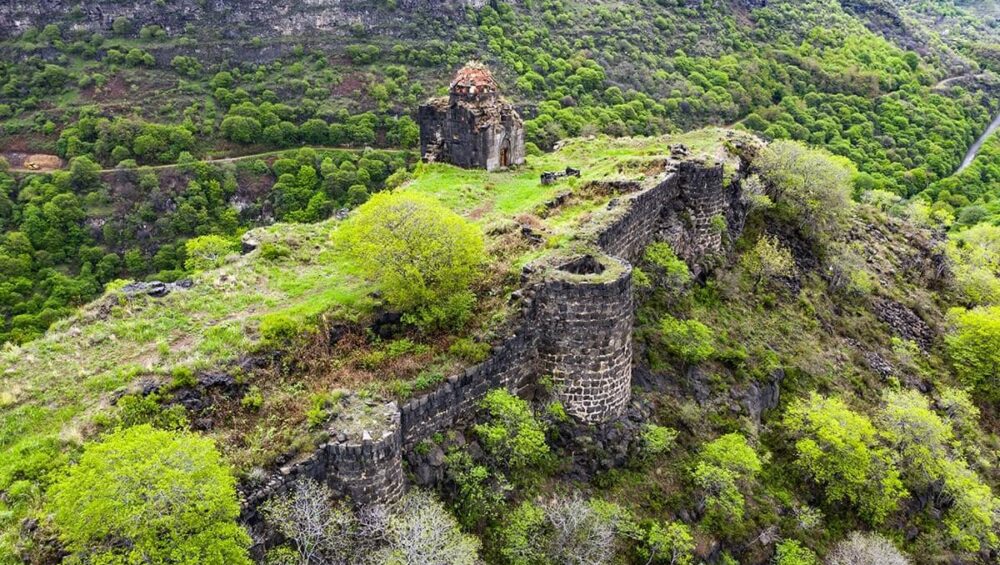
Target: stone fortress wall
{"x": 575, "y": 324}
{"x": 584, "y": 327}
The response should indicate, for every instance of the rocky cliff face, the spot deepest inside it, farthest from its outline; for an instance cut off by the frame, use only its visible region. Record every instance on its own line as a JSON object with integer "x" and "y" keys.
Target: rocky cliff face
{"x": 233, "y": 18}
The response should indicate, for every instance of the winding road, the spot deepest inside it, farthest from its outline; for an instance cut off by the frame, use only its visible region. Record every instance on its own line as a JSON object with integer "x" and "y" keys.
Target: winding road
{"x": 974, "y": 150}
{"x": 970, "y": 156}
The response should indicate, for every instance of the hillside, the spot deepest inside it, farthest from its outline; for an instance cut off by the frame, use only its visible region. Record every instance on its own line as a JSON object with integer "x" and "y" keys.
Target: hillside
{"x": 133, "y": 84}
{"x": 738, "y": 305}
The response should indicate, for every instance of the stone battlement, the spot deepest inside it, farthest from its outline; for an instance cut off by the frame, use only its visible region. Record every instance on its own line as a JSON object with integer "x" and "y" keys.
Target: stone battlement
{"x": 575, "y": 325}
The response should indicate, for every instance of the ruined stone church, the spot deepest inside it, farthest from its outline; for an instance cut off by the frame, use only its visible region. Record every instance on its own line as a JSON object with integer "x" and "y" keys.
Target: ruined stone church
{"x": 473, "y": 127}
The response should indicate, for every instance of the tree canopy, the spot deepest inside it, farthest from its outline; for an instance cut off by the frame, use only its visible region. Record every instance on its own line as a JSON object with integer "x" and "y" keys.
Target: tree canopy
{"x": 422, "y": 255}
{"x": 143, "y": 495}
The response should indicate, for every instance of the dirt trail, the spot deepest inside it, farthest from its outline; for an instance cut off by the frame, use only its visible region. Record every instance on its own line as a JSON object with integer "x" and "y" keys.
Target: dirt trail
{"x": 948, "y": 81}
{"x": 16, "y": 168}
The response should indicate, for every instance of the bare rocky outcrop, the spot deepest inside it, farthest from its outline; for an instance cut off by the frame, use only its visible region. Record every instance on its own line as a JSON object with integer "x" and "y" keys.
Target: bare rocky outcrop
{"x": 235, "y": 18}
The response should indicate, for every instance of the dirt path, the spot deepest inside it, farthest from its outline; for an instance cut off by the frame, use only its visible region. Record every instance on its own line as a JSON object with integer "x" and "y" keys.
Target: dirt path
{"x": 213, "y": 161}
{"x": 948, "y": 81}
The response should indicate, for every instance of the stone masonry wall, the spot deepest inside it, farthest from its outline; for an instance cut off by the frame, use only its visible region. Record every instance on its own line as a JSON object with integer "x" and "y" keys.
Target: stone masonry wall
{"x": 585, "y": 343}
{"x": 511, "y": 366}
{"x": 369, "y": 471}
{"x": 637, "y": 226}
{"x": 680, "y": 209}
{"x": 576, "y": 327}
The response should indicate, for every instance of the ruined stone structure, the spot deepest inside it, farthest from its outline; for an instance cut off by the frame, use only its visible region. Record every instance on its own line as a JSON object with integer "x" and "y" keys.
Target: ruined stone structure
{"x": 575, "y": 325}
{"x": 585, "y": 336}
{"x": 473, "y": 127}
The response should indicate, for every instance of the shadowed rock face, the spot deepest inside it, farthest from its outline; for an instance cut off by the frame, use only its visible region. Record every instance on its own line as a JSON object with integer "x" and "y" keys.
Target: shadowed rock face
{"x": 474, "y": 127}
{"x": 236, "y": 17}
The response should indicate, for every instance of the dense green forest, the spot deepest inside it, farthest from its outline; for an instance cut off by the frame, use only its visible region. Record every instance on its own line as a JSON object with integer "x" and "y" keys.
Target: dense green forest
{"x": 863, "y": 288}
{"x": 130, "y": 96}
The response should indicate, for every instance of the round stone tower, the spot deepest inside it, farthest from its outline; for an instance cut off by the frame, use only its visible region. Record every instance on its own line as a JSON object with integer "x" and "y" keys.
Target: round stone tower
{"x": 585, "y": 342}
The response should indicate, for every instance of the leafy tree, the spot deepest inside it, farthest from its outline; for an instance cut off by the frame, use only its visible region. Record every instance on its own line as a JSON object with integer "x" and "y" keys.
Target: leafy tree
{"x": 315, "y": 131}
{"x": 670, "y": 543}
{"x": 924, "y": 441}
{"x": 143, "y": 495}
{"x": 918, "y": 435}
{"x": 767, "y": 260}
{"x": 975, "y": 254}
{"x": 403, "y": 133}
{"x": 222, "y": 79}
{"x": 839, "y": 450}
{"x": 791, "y": 552}
{"x": 420, "y": 531}
{"x": 480, "y": 493}
{"x": 241, "y": 129}
{"x": 974, "y": 349}
{"x": 520, "y": 534}
{"x": 120, "y": 26}
{"x": 724, "y": 471}
{"x": 422, "y": 255}
{"x": 309, "y": 517}
{"x": 811, "y": 187}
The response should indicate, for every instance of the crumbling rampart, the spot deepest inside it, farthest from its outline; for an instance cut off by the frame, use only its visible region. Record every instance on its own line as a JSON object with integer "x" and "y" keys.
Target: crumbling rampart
{"x": 575, "y": 325}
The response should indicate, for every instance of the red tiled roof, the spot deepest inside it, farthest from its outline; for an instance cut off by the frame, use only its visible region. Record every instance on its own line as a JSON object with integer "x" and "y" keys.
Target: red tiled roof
{"x": 474, "y": 74}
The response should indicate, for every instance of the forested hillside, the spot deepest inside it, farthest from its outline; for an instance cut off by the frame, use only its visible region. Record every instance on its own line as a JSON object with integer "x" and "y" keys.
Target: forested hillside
{"x": 819, "y": 387}
{"x": 151, "y": 85}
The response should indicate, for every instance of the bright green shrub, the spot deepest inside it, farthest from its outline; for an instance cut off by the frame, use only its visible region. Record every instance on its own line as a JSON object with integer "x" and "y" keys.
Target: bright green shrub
{"x": 791, "y": 552}
{"x": 207, "y": 252}
{"x": 480, "y": 493}
{"x": 512, "y": 435}
{"x": 279, "y": 328}
{"x": 657, "y": 439}
{"x": 666, "y": 266}
{"x": 839, "y": 450}
{"x": 974, "y": 349}
{"x": 724, "y": 472}
{"x": 470, "y": 350}
{"x": 253, "y": 399}
{"x": 689, "y": 340}
{"x": 143, "y": 495}
{"x": 670, "y": 543}
{"x": 519, "y": 532}
{"x": 422, "y": 255}
{"x": 138, "y": 409}
{"x": 767, "y": 259}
